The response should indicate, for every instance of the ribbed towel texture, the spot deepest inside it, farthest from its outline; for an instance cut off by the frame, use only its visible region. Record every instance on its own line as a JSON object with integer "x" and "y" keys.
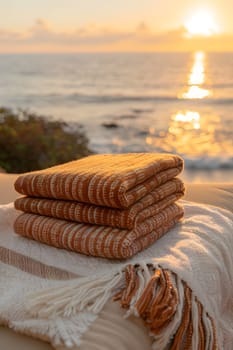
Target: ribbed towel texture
{"x": 128, "y": 218}
{"x": 111, "y": 206}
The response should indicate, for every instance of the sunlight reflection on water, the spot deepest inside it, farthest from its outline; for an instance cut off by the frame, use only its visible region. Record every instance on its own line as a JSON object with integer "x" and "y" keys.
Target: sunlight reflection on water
{"x": 196, "y": 92}
{"x": 193, "y": 118}
{"x": 197, "y": 75}
{"x": 196, "y": 78}
{"x": 191, "y": 133}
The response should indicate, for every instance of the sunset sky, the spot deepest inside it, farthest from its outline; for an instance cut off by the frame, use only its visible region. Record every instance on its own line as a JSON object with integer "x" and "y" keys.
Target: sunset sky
{"x": 123, "y": 25}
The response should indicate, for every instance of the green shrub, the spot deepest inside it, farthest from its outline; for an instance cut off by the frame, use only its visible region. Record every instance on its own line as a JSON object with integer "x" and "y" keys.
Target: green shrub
{"x": 32, "y": 142}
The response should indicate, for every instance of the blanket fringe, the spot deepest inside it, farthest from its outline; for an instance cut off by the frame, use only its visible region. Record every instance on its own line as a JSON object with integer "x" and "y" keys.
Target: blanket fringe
{"x": 84, "y": 294}
{"x": 168, "y": 307}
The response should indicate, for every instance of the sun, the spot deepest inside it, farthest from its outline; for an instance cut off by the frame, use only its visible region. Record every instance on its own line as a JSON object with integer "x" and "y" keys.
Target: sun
{"x": 201, "y": 23}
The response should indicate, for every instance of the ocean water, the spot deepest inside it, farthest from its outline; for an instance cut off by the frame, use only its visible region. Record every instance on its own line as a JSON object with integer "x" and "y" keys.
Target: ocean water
{"x": 138, "y": 102}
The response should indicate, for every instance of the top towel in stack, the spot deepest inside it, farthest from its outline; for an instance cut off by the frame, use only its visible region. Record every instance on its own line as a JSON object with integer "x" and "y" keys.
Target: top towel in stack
{"x": 111, "y": 206}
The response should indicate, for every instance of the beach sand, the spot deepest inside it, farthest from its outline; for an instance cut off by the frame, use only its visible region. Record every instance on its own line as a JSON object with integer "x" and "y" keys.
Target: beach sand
{"x": 7, "y": 191}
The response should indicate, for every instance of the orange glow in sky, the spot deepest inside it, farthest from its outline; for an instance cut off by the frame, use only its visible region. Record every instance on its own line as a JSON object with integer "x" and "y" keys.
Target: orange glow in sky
{"x": 125, "y": 25}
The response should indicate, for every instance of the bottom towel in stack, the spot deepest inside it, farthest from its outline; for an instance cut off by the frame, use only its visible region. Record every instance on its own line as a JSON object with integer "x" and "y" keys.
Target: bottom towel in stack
{"x": 98, "y": 229}
{"x": 97, "y": 240}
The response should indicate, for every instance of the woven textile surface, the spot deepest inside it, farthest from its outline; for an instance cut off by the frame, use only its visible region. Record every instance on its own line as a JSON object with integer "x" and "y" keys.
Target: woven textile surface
{"x": 115, "y": 181}
{"x": 181, "y": 286}
{"x": 151, "y": 204}
{"x": 102, "y": 241}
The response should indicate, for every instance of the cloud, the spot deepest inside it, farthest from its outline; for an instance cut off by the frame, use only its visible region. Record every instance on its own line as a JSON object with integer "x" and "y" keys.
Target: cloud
{"x": 6, "y": 35}
{"x": 143, "y": 29}
{"x": 42, "y": 37}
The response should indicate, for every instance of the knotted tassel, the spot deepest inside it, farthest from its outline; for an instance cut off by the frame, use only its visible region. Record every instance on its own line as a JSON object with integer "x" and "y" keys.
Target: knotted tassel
{"x": 167, "y": 305}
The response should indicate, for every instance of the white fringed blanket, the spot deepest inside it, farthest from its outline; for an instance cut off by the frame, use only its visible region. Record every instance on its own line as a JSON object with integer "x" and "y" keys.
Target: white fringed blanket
{"x": 181, "y": 286}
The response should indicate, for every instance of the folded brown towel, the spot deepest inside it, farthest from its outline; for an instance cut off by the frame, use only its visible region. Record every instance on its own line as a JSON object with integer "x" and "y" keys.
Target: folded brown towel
{"x": 102, "y": 241}
{"x": 115, "y": 181}
{"x": 149, "y": 205}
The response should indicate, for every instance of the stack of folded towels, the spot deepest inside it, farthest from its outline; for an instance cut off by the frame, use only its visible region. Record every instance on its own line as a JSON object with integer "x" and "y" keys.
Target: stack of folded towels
{"x": 110, "y": 206}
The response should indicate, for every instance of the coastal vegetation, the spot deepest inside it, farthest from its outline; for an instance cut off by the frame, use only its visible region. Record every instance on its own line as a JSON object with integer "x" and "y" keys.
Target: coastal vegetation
{"x": 31, "y": 142}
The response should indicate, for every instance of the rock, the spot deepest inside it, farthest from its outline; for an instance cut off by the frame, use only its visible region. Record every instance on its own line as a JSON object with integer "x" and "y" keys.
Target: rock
{"x": 110, "y": 125}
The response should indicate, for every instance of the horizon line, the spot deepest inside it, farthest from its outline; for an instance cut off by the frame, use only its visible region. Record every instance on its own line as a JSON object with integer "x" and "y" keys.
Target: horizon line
{"x": 110, "y": 52}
